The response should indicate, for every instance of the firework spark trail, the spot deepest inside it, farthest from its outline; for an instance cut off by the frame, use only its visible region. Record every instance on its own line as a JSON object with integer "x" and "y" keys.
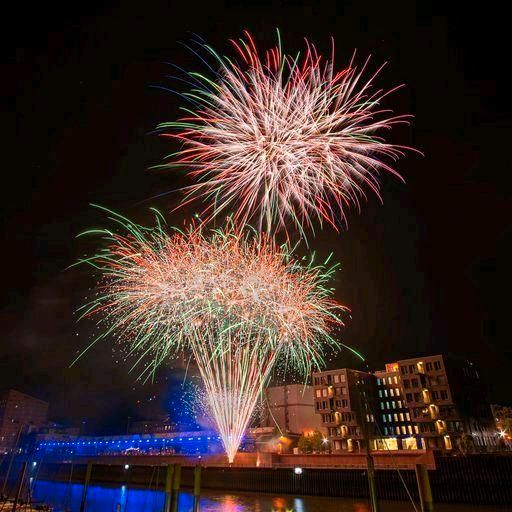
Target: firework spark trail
{"x": 281, "y": 138}
{"x": 234, "y": 381}
{"x": 233, "y": 297}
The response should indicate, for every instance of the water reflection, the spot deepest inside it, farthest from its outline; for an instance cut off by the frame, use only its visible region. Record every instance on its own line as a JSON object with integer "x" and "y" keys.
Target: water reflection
{"x": 66, "y": 498}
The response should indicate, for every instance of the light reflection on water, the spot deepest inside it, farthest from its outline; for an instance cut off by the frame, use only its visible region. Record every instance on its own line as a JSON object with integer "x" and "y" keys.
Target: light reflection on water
{"x": 66, "y": 497}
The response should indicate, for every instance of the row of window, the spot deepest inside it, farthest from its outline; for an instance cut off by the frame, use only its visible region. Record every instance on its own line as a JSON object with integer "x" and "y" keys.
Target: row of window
{"x": 413, "y": 368}
{"x": 330, "y": 379}
{"x": 325, "y": 392}
{"x": 389, "y": 392}
{"x": 339, "y": 404}
{"x": 336, "y": 431}
{"x": 345, "y": 417}
{"x": 390, "y": 380}
{"x": 440, "y": 395}
{"x": 403, "y": 430}
{"x": 427, "y": 428}
{"x": 439, "y": 380}
{"x": 392, "y": 405}
{"x": 388, "y": 418}
{"x": 433, "y": 365}
{"x": 413, "y": 383}
{"x": 418, "y": 397}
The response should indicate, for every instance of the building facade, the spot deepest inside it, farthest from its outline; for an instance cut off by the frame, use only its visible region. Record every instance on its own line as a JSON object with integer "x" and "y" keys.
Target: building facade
{"x": 447, "y": 399}
{"x": 290, "y": 408}
{"x": 397, "y": 429}
{"x": 429, "y": 402}
{"x": 345, "y": 401}
{"x": 19, "y": 413}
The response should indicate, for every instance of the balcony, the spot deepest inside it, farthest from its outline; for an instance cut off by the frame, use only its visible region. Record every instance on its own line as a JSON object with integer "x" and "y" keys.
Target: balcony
{"x": 434, "y": 411}
{"x": 441, "y": 427}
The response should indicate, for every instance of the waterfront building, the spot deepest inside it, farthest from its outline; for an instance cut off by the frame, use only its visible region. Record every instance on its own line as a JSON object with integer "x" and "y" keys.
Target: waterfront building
{"x": 446, "y": 399}
{"x": 423, "y": 402}
{"x": 19, "y": 413}
{"x": 397, "y": 429}
{"x": 345, "y": 401}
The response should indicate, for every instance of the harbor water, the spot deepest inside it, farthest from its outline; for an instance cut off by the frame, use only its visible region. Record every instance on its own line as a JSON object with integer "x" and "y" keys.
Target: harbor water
{"x": 66, "y": 498}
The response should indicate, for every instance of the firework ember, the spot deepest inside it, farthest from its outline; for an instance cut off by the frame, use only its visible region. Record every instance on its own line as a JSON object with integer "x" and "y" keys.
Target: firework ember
{"x": 233, "y": 298}
{"x": 281, "y": 139}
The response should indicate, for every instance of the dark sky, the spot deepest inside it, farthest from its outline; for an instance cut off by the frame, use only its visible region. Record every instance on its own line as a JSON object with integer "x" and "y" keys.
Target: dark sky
{"x": 428, "y": 271}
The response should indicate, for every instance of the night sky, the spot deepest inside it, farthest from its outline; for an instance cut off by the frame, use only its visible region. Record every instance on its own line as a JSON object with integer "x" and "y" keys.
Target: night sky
{"x": 426, "y": 272}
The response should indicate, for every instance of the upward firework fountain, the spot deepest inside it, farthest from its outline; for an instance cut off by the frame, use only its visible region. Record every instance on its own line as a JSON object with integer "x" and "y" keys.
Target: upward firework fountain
{"x": 238, "y": 302}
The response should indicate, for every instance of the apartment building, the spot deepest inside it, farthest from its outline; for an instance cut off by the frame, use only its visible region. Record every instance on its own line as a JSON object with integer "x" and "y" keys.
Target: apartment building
{"x": 446, "y": 398}
{"x": 423, "y": 402}
{"x": 345, "y": 399}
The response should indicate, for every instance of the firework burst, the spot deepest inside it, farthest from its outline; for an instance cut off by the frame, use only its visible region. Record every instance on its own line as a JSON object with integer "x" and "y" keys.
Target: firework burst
{"x": 232, "y": 297}
{"x": 283, "y": 139}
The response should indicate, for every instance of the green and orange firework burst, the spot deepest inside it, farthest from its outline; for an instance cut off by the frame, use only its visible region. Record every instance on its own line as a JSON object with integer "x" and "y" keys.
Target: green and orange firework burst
{"x": 232, "y": 297}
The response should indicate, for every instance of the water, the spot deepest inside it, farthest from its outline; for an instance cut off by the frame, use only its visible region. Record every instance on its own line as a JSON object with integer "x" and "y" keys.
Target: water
{"x": 123, "y": 499}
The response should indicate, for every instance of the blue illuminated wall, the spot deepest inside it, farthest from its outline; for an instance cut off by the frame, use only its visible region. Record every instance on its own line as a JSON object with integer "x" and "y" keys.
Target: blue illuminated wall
{"x": 152, "y": 444}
